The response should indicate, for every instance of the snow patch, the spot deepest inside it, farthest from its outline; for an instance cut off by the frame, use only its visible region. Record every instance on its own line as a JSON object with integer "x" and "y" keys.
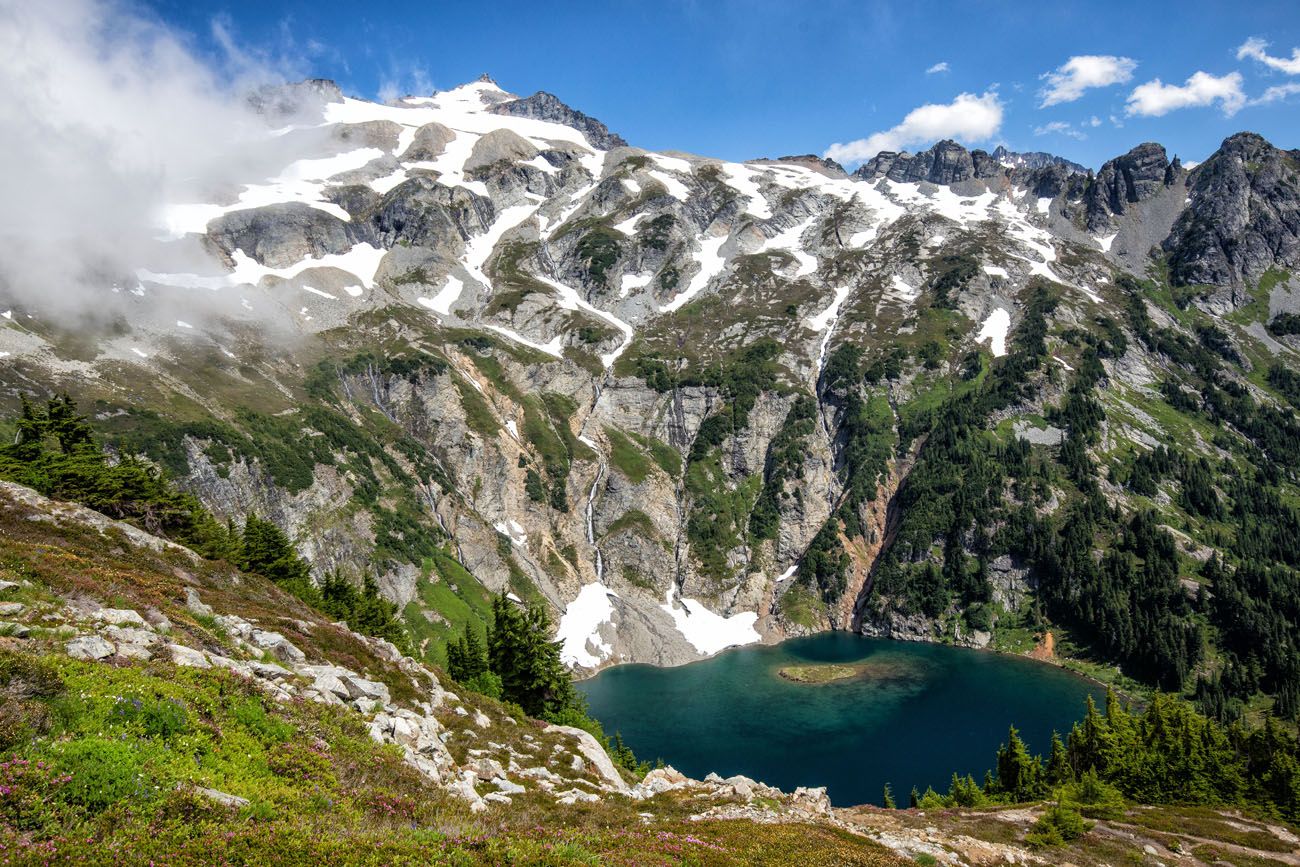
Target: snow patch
{"x": 1106, "y": 240}
{"x": 362, "y": 261}
{"x": 676, "y": 188}
{"x": 861, "y": 239}
{"x": 513, "y": 530}
{"x": 480, "y": 247}
{"x": 579, "y": 630}
{"x": 706, "y": 631}
{"x": 633, "y": 281}
{"x": 995, "y": 271}
{"x": 741, "y": 179}
{"x": 712, "y": 262}
{"x": 441, "y": 303}
{"x": 628, "y": 226}
{"x": 182, "y": 324}
{"x": 388, "y": 182}
{"x": 673, "y": 164}
{"x": 791, "y": 241}
{"x": 555, "y": 348}
{"x": 905, "y": 290}
{"x": 569, "y": 299}
{"x": 319, "y": 292}
{"x": 302, "y": 181}
{"x": 995, "y": 330}
{"x": 825, "y": 321}
{"x": 512, "y": 428}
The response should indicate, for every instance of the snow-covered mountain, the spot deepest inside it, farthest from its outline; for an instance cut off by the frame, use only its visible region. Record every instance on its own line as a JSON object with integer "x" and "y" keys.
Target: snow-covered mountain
{"x": 476, "y": 341}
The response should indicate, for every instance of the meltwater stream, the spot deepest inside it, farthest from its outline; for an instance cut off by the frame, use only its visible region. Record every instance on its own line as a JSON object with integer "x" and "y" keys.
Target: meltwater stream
{"x": 916, "y": 714}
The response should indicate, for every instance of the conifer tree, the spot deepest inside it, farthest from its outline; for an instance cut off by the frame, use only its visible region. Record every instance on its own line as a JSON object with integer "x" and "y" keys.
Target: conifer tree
{"x": 520, "y": 651}
{"x": 888, "y": 799}
{"x": 1018, "y": 771}
{"x": 466, "y": 657}
{"x": 268, "y": 552}
{"x": 1058, "y": 763}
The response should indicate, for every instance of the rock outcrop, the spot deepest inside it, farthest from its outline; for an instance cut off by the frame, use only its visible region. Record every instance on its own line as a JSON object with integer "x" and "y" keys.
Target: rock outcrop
{"x": 1127, "y": 180}
{"x": 547, "y": 106}
{"x": 1243, "y": 217}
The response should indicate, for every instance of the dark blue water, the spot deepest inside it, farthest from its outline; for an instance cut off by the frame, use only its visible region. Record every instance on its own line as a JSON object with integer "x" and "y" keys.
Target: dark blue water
{"x": 925, "y": 712}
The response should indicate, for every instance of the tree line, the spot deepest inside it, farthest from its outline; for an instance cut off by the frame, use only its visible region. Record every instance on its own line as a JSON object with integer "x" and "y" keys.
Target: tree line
{"x": 56, "y": 452}
{"x": 1165, "y": 753}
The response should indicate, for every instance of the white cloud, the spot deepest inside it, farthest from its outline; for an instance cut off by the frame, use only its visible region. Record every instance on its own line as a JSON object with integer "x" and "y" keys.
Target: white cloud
{"x": 1155, "y": 98}
{"x": 1276, "y": 93}
{"x": 1254, "y": 49}
{"x": 968, "y": 117}
{"x": 941, "y": 66}
{"x": 1059, "y": 127}
{"x": 1094, "y": 121}
{"x": 1068, "y": 82}
{"x": 107, "y": 116}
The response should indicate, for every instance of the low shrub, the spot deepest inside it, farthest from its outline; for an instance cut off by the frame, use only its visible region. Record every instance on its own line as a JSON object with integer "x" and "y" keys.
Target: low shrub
{"x": 99, "y": 772}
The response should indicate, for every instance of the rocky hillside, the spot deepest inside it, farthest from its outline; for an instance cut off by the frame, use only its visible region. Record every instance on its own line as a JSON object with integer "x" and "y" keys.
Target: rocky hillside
{"x": 474, "y": 342}
{"x": 161, "y": 708}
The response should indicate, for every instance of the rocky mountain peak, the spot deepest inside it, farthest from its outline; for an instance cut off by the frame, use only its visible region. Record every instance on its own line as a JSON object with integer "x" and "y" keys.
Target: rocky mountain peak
{"x": 1034, "y": 160}
{"x": 1243, "y": 214}
{"x": 1125, "y": 181}
{"x": 279, "y": 101}
{"x": 547, "y": 106}
{"x": 946, "y": 162}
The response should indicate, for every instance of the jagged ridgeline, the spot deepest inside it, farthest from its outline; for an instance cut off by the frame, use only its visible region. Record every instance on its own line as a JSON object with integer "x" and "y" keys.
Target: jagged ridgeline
{"x": 686, "y": 403}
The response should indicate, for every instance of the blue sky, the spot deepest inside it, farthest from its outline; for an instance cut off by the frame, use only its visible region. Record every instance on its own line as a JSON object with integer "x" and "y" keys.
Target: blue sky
{"x": 765, "y": 78}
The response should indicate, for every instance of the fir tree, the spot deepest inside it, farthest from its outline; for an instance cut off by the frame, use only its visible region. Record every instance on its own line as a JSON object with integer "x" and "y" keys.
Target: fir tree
{"x": 466, "y": 657}
{"x": 1058, "y": 763}
{"x": 1018, "y": 771}
{"x": 887, "y": 799}
{"x": 266, "y": 551}
{"x": 521, "y": 652}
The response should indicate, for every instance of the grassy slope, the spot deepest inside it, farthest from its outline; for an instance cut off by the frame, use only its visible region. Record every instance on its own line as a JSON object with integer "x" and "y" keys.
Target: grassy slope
{"x": 100, "y": 761}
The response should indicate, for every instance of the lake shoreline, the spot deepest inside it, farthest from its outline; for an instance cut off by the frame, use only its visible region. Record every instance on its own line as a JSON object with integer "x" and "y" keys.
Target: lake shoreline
{"x": 819, "y": 710}
{"x": 1054, "y": 660}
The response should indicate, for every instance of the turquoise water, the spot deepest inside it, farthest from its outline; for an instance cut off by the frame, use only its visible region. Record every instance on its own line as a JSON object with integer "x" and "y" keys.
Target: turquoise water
{"x": 925, "y": 712}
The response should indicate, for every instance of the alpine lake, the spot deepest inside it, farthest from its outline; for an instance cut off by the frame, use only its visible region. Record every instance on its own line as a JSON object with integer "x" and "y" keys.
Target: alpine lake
{"x": 839, "y": 710}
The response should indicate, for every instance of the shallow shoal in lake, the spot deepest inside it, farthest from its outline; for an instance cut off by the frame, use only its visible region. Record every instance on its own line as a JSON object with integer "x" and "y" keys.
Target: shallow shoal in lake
{"x": 918, "y": 713}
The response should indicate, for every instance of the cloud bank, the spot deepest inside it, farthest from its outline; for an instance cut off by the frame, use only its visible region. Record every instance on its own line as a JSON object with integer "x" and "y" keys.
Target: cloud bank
{"x": 1155, "y": 98}
{"x": 106, "y": 116}
{"x": 968, "y": 118}
{"x": 1083, "y": 72}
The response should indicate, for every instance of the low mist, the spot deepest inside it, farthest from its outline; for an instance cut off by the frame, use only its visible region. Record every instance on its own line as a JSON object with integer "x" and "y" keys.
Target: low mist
{"x": 106, "y": 116}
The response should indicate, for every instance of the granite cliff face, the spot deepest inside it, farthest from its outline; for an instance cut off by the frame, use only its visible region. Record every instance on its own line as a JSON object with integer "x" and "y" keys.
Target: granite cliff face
{"x": 651, "y": 391}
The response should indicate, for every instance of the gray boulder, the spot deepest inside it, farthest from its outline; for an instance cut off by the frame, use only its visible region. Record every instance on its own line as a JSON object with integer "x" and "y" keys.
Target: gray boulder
{"x": 89, "y": 647}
